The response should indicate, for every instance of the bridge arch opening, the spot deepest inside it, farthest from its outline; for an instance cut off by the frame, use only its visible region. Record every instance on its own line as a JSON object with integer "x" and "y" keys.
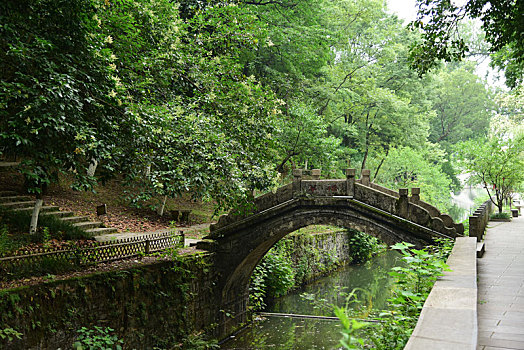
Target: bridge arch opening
{"x": 305, "y": 255}
{"x": 266, "y": 235}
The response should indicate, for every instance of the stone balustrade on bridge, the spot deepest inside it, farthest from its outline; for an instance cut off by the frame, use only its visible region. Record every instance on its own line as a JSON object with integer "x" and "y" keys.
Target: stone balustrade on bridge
{"x": 307, "y": 184}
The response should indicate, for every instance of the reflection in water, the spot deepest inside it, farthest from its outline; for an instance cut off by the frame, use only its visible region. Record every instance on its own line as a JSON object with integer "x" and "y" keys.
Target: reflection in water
{"x": 291, "y": 333}
{"x": 287, "y": 333}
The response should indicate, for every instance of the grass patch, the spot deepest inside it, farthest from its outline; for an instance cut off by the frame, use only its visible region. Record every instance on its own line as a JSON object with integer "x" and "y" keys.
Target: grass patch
{"x": 15, "y": 227}
{"x": 502, "y": 215}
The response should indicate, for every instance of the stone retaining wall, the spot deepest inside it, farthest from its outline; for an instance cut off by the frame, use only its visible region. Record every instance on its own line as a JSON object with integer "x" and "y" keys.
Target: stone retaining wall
{"x": 156, "y": 304}
{"x": 321, "y": 253}
{"x": 153, "y": 305}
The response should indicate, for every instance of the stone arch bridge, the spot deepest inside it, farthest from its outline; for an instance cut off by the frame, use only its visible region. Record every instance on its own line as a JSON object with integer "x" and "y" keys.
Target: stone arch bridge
{"x": 239, "y": 241}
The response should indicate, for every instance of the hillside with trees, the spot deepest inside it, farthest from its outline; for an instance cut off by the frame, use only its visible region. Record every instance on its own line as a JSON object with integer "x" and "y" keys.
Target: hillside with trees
{"x": 220, "y": 100}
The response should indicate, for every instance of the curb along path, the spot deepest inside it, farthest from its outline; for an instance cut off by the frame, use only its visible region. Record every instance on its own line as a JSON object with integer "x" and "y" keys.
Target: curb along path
{"x": 501, "y": 287}
{"x": 185, "y": 230}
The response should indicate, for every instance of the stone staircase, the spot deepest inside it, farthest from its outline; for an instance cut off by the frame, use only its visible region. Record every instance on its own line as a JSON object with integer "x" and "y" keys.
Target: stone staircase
{"x": 25, "y": 203}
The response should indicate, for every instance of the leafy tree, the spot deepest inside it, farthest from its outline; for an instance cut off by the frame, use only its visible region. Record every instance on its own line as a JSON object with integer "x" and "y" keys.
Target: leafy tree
{"x": 199, "y": 124}
{"x": 510, "y": 117}
{"x": 501, "y": 20}
{"x": 496, "y": 163}
{"x": 293, "y": 48}
{"x": 371, "y": 97}
{"x": 304, "y": 139}
{"x": 57, "y": 92}
{"x": 407, "y": 167}
{"x": 462, "y": 104}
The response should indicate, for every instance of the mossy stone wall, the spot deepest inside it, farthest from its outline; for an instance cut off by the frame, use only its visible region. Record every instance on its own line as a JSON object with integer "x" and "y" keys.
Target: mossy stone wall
{"x": 152, "y": 305}
{"x": 315, "y": 255}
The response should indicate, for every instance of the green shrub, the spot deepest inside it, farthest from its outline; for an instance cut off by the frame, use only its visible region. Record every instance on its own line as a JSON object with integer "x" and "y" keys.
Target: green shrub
{"x": 413, "y": 282}
{"x": 273, "y": 277}
{"x": 97, "y": 338}
{"x": 362, "y": 246}
{"x": 502, "y": 215}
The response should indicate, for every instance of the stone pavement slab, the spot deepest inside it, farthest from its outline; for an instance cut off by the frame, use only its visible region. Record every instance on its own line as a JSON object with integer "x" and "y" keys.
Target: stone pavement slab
{"x": 501, "y": 287}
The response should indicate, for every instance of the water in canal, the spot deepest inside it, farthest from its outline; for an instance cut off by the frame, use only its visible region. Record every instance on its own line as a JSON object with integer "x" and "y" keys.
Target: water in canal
{"x": 295, "y": 333}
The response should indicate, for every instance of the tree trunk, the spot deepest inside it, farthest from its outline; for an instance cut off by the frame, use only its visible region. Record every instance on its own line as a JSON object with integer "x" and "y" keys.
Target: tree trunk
{"x": 363, "y": 166}
{"x": 280, "y": 167}
{"x": 92, "y": 167}
{"x": 36, "y": 212}
{"x": 380, "y": 165}
{"x": 162, "y": 207}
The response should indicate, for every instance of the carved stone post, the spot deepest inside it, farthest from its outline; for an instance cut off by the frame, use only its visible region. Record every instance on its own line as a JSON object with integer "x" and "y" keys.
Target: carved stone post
{"x": 415, "y": 194}
{"x": 315, "y": 174}
{"x": 486, "y": 213}
{"x": 403, "y": 202}
{"x": 350, "y": 182}
{"x": 297, "y": 180}
{"x": 474, "y": 227}
{"x": 365, "y": 177}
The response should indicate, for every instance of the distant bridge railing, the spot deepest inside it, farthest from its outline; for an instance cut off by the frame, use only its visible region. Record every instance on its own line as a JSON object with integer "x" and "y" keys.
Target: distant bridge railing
{"x": 307, "y": 183}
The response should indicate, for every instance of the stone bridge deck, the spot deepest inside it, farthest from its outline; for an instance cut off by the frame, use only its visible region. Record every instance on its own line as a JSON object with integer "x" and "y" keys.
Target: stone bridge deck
{"x": 501, "y": 287}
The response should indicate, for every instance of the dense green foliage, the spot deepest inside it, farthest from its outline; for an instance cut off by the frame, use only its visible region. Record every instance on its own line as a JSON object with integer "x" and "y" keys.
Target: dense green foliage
{"x": 413, "y": 282}
{"x": 501, "y": 21}
{"x": 56, "y": 107}
{"x": 221, "y": 99}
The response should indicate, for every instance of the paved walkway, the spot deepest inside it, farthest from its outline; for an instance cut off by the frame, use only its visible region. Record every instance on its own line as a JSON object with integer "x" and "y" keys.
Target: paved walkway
{"x": 501, "y": 287}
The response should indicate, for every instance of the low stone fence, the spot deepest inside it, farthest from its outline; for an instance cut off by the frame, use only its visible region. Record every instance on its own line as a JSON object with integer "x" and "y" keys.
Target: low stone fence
{"x": 81, "y": 256}
{"x": 479, "y": 220}
{"x": 449, "y": 317}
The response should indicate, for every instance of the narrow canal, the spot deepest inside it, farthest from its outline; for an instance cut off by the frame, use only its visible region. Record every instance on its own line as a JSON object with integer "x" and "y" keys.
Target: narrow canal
{"x": 316, "y": 299}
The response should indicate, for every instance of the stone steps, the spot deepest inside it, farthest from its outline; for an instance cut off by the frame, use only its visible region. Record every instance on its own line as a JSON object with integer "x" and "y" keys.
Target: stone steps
{"x": 86, "y": 225}
{"x": 481, "y": 249}
{"x": 63, "y": 215}
{"x": 10, "y": 199}
{"x": 44, "y": 209}
{"x": 23, "y": 203}
{"x": 16, "y": 205}
{"x": 101, "y": 231}
{"x": 8, "y": 193}
{"x": 74, "y": 219}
